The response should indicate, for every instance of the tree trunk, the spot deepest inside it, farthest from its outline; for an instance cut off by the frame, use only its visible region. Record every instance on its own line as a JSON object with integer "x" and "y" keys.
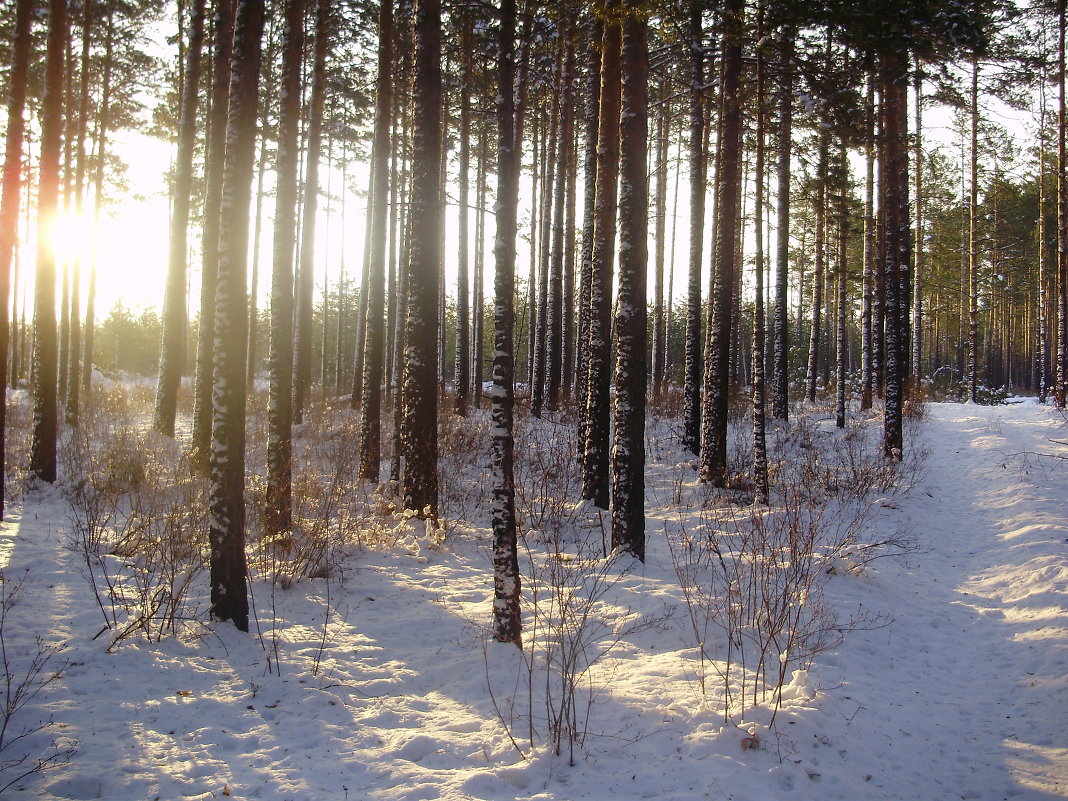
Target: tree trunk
{"x": 278, "y": 514}
{"x": 1061, "y": 389}
{"x": 595, "y": 465}
{"x": 867, "y": 377}
{"x": 728, "y": 200}
{"x": 226, "y": 506}
{"x": 174, "y": 299}
{"x": 840, "y": 328}
{"x": 462, "y": 362}
{"x": 305, "y": 276}
{"x": 419, "y": 478}
{"x": 10, "y": 198}
{"x": 820, "y": 268}
{"x": 370, "y": 423}
{"x": 760, "y": 448}
{"x": 74, "y": 381}
{"x": 691, "y": 425}
{"x": 893, "y": 169}
{"x": 973, "y": 238}
{"x": 213, "y": 181}
{"x": 43, "y": 443}
{"x": 628, "y": 451}
{"x": 780, "y": 406}
{"x": 507, "y": 623}
{"x": 917, "y": 282}
{"x": 660, "y": 170}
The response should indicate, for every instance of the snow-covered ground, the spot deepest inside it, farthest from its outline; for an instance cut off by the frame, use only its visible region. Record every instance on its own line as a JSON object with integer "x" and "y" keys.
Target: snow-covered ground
{"x": 381, "y": 685}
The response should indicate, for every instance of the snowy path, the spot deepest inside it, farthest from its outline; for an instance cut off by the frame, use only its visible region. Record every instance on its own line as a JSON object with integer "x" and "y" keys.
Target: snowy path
{"x": 966, "y": 692}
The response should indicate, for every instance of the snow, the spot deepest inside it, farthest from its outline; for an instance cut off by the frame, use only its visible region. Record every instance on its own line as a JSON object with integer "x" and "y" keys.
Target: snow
{"x": 381, "y": 683}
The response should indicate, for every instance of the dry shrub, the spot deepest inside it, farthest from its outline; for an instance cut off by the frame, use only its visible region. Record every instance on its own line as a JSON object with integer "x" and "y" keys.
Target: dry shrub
{"x": 139, "y": 522}
{"x": 17, "y": 435}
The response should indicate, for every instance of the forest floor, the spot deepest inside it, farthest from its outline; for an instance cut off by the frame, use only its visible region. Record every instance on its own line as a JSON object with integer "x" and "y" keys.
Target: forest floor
{"x": 379, "y": 683}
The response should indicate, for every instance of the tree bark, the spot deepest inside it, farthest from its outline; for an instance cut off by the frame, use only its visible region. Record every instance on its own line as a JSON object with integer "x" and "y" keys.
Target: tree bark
{"x": 419, "y": 478}
{"x": 595, "y": 466}
{"x": 370, "y": 423}
{"x": 780, "y": 407}
{"x": 278, "y": 514}
{"x": 631, "y": 379}
{"x": 691, "y": 425}
{"x": 174, "y": 303}
{"x": 43, "y": 442}
{"x": 507, "y": 623}
{"x": 10, "y": 199}
{"x": 226, "y": 507}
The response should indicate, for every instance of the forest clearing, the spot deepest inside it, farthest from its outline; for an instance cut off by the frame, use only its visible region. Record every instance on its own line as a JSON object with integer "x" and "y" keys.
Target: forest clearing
{"x": 381, "y": 680}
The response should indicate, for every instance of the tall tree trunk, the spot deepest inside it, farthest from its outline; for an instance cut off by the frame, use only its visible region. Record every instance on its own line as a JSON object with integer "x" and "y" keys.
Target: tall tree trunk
{"x": 306, "y": 278}
{"x": 278, "y": 514}
{"x": 760, "y": 448}
{"x": 728, "y": 200}
{"x": 213, "y": 181}
{"x": 419, "y": 478}
{"x": 595, "y": 465}
{"x": 917, "y": 288}
{"x": 507, "y": 622}
{"x": 592, "y": 100}
{"x": 10, "y": 199}
{"x": 840, "y": 306}
{"x": 43, "y": 442}
{"x": 226, "y": 506}
{"x": 462, "y": 362}
{"x": 74, "y": 381}
{"x": 257, "y": 228}
{"x": 867, "y": 377}
{"x": 102, "y": 135}
{"x": 370, "y": 424}
{"x": 1061, "y": 389}
{"x": 628, "y": 451}
{"x": 973, "y": 238}
{"x": 478, "y": 301}
{"x": 820, "y": 268}
{"x": 555, "y": 312}
{"x": 691, "y": 425}
{"x": 1043, "y": 280}
{"x": 780, "y": 396}
{"x": 893, "y": 169}
{"x": 660, "y": 170}
{"x": 174, "y": 300}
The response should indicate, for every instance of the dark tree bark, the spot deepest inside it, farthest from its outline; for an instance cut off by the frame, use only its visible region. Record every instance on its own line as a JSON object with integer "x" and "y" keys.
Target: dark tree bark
{"x": 760, "y": 449}
{"x": 507, "y": 623}
{"x": 172, "y": 348}
{"x": 45, "y": 423}
{"x": 213, "y": 181}
{"x": 370, "y": 424}
{"x": 74, "y": 369}
{"x": 1061, "y": 388}
{"x": 278, "y": 514}
{"x": 419, "y": 477}
{"x": 628, "y": 451}
{"x": 102, "y": 136}
{"x": 592, "y": 100}
{"x": 462, "y": 361}
{"x": 305, "y": 281}
{"x": 555, "y": 312}
{"x": 10, "y": 198}
{"x": 780, "y": 407}
{"x": 973, "y": 239}
{"x": 840, "y": 272}
{"x": 226, "y": 506}
{"x": 691, "y": 425}
{"x": 660, "y": 170}
{"x": 478, "y": 301}
{"x": 918, "y": 233}
{"x": 728, "y": 200}
{"x": 867, "y": 377}
{"x": 595, "y": 465}
{"x": 819, "y": 270}
{"x": 893, "y": 169}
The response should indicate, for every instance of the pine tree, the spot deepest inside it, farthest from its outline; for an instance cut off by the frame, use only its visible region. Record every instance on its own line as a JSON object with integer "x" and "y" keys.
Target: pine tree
{"x": 174, "y": 316}
{"x": 628, "y": 451}
{"x": 226, "y": 506}
{"x": 45, "y": 423}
